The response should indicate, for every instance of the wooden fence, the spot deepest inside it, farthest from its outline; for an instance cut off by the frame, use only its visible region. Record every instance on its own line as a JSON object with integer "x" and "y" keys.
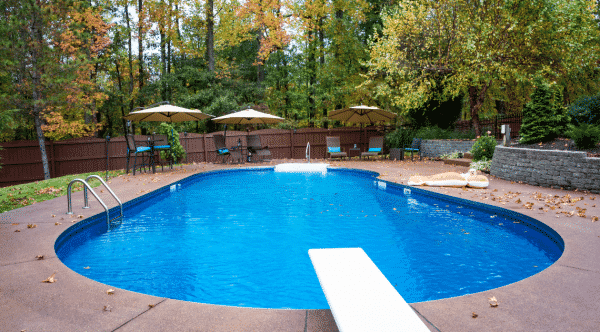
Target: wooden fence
{"x": 22, "y": 162}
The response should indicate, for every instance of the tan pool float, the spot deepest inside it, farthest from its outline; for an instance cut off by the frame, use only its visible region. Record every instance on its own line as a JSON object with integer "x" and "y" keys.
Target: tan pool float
{"x": 451, "y": 179}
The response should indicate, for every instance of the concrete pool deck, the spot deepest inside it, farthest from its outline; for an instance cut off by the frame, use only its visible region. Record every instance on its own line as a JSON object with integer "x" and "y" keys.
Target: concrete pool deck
{"x": 564, "y": 297}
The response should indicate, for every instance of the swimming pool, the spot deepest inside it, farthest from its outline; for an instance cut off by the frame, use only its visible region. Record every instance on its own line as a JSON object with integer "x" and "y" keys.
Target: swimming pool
{"x": 241, "y": 238}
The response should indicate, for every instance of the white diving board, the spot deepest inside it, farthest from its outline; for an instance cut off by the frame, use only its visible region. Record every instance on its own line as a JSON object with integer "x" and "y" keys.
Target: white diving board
{"x": 360, "y": 297}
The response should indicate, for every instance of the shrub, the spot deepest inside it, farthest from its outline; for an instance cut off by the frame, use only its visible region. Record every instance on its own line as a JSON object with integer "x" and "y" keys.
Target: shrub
{"x": 544, "y": 117}
{"x": 483, "y": 165}
{"x": 484, "y": 148}
{"x": 177, "y": 151}
{"x": 399, "y": 138}
{"x": 585, "y": 136}
{"x": 439, "y": 133}
{"x": 586, "y": 110}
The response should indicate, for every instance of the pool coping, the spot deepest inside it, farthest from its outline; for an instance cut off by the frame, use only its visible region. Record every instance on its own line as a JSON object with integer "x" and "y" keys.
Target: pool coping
{"x": 560, "y": 298}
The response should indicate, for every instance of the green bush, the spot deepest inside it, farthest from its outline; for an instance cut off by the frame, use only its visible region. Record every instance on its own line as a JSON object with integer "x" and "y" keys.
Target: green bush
{"x": 177, "y": 152}
{"x": 544, "y": 117}
{"x": 586, "y": 109}
{"x": 399, "y": 138}
{"x": 483, "y": 165}
{"x": 484, "y": 148}
{"x": 439, "y": 133}
{"x": 585, "y": 136}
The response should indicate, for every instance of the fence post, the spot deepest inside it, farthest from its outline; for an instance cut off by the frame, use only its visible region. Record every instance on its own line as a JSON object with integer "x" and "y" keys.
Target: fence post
{"x": 291, "y": 143}
{"x": 204, "y": 148}
{"x": 53, "y": 169}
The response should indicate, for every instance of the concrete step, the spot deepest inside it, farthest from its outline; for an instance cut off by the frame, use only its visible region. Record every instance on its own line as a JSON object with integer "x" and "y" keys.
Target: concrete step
{"x": 459, "y": 162}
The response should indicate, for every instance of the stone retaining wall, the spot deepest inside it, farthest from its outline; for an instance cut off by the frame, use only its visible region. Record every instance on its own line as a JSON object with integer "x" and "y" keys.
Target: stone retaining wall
{"x": 547, "y": 168}
{"x": 435, "y": 147}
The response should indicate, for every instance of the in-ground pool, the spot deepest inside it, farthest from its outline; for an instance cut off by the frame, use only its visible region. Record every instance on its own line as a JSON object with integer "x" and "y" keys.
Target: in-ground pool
{"x": 241, "y": 238}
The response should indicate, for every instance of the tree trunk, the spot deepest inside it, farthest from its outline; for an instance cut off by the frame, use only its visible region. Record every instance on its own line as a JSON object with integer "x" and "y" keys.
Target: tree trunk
{"x": 312, "y": 73}
{"x": 210, "y": 37}
{"x": 121, "y": 97}
{"x": 36, "y": 77}
{"x": 140, "y": 43}
{"x": 163, "y": 67}
{"x": 476, "y": 99}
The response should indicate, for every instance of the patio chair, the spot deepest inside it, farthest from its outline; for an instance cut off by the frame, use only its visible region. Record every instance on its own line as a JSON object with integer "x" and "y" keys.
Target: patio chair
{"x": 223, "y": 151}
{"x": 334, "y": 149}
{"x": 143, "y": 151}
{"x": 414, "y": 147}
{"x": 161, "y": 143}
{"x": 255, "y": 149}
{"x": 375, "y": 147}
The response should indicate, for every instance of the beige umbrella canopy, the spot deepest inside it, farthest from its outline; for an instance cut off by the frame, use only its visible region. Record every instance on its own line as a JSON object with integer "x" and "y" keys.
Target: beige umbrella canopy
{"x": 361, "y": 114}
{"x": 248, "y": 116}
{"x": 167, "y": 113}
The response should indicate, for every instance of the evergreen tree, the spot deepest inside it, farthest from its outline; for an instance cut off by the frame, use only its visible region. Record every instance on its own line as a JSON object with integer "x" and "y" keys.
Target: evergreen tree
{"x": 544, "y": 116}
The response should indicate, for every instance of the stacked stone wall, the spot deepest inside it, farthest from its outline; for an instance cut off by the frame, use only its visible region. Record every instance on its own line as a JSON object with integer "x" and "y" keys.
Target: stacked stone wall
{"x": 435, "y": 148}
{"x": 547, "y": 168}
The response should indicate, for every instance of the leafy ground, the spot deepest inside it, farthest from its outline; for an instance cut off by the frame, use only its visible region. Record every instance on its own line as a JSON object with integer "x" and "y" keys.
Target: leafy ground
{"x": 20, "y": 195}
{"x": 557, "y": 144}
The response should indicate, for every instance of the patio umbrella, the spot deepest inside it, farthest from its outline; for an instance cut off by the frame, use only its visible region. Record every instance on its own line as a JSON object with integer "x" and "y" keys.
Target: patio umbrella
{"x": 361, "y": 114}
{"x": 167, "y": 113}
{"x": 248, "y": 116}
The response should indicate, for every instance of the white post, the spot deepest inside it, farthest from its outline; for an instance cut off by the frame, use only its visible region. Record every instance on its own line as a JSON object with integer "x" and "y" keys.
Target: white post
{"x": 506, "y": 132}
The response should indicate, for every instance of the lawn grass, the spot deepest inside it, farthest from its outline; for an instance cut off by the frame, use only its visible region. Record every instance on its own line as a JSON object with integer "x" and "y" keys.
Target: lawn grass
{"x": 20, "y": 195}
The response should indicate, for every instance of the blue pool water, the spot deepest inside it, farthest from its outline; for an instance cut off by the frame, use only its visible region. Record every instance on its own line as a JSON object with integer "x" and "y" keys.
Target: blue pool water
{"x": 241, "y": 238}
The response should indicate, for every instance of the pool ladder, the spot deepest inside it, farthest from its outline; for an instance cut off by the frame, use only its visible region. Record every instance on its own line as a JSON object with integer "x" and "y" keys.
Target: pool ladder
{"x": 308, "y": 152}
{"x": 86, "y": 186}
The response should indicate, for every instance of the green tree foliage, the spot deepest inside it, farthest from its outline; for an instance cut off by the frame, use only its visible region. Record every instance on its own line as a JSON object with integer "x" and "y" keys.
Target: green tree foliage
{"x": 544, "y": 117}
{"x": 445, "y": 48}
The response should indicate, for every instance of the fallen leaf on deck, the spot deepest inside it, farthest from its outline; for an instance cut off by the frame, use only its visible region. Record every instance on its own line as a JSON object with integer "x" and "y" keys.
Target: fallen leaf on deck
{"x": 110, "y": 291}
{"x": 16, "y": 230}
{"x": 151, "y": 305}
{"x": 594, "y": 219}
{"x": 107, "y": 308}
{"x": 15, "y": 223}
{"x": 39, "y": 257}
{"x": 493, "y": 302}
{"x": 57, "y": 223}
{"x": 474, "y": 315}
{"x": 31, "y": 225}
{"x": 51, "y": 278}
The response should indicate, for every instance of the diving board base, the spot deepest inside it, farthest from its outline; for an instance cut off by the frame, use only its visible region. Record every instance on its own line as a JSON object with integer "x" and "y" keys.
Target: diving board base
{"x": 359, "y": 295}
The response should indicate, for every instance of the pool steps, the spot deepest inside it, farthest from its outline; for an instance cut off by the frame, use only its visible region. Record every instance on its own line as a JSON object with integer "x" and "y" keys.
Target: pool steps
{"x": 86, "y": 186}
{"x": 359, "y": 295}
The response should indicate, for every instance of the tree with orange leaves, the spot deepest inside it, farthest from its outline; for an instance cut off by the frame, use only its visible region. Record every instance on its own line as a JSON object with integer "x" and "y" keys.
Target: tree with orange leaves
{"x": 53, "y": 54}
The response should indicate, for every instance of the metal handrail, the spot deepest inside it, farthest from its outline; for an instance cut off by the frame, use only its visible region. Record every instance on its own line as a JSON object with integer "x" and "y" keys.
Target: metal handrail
{"x": 86, "y": 185}
{"x": 85, "y": 196}
{"x": 308, "y": 151}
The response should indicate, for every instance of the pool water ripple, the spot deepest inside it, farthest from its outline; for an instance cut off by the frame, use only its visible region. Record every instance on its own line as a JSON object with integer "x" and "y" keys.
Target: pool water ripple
{"x": 242, "y": 239}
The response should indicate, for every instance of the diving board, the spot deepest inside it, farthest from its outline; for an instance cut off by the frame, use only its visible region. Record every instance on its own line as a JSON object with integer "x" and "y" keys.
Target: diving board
{"x": 359, "y": 295}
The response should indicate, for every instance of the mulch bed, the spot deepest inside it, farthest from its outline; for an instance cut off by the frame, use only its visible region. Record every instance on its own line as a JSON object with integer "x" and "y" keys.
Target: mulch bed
{"x": 558, "y": 144}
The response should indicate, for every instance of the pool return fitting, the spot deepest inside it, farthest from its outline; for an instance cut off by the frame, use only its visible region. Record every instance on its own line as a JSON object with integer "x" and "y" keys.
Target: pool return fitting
{"x": 86, "y": 186}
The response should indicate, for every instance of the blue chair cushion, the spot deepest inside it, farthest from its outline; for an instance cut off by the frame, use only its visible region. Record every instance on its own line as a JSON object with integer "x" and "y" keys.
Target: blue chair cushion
{"x": 142, "y": 149}
{"x": 411, "y": 149}
{"x": 375, "y": 150}
{"x": 159, "y": 147}
{"x": 223, "y": 151}
{"x": 333, "y": 150}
